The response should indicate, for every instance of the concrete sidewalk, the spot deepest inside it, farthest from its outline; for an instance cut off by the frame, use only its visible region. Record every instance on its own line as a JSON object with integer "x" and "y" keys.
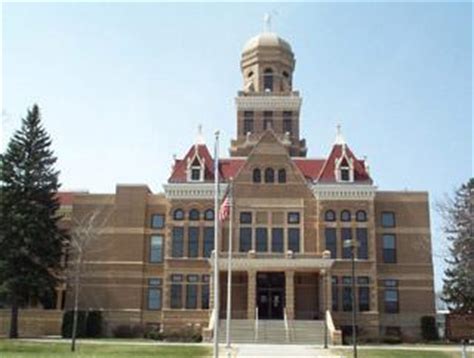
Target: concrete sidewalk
{"x": 276, "y": 350}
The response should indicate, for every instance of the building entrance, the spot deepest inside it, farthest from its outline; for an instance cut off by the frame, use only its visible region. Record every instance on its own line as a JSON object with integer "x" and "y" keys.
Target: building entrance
{"x": 270, "y": 295}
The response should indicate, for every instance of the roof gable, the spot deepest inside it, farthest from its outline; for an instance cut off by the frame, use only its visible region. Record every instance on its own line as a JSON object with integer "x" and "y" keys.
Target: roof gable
{"x": 338, "y": 152}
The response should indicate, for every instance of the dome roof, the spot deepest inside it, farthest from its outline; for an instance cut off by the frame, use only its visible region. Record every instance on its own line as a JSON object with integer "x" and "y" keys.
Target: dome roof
{"x": 266, "y": 39}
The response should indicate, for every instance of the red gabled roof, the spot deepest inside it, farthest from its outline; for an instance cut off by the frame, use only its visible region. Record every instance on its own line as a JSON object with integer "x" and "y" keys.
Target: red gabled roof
{"x": 327, "y": 173}
{"x": 309, "y": 167}
{"x": 230, "y": 167}
{"x": 315, "y": 170}
{"x": 179, "y": 170}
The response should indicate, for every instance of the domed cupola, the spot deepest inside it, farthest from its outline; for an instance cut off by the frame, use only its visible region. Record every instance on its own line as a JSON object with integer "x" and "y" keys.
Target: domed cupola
{"x": 267, "y": 64}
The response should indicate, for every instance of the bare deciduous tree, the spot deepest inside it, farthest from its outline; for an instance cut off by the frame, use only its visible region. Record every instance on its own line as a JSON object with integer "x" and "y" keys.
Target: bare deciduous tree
{"x": 86, "y": 231}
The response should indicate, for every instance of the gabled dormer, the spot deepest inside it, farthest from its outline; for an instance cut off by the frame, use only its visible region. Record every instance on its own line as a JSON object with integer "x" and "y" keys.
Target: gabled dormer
{"x": 195, "y": 167}
{"x": 344, "y": 167}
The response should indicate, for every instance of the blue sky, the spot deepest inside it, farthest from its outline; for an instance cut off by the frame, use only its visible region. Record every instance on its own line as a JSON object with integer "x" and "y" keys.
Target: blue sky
{"x": 123, "y": 87}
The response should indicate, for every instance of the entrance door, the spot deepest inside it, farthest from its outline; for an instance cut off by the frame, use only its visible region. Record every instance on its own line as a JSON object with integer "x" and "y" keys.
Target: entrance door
{"x": 270, "y": 295}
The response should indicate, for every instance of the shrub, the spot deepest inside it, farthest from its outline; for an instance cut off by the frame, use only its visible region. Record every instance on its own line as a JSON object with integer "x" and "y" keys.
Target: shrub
{"x": 94, "y": 324}
{"x": 188, "y": 334}
{"x": 128, "y": 331}
{"x": 429, "y": 331}
{"x": 68, "y": 319}
{"x": 392, "y": 339}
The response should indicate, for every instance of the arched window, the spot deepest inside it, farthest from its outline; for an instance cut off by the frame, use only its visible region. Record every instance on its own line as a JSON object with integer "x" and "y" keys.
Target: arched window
{"x": 257, "y": 175}
{"x": 178, "y": 214}
{"x": 250, "y": 74}
{"x": 345, "y": 215}
{"x": 282, "y": 176}
{"x": 268, "y": 80}
{"x": 269, "y": 175}
{"x": 194, "y": 214}
{"x": 209, "y": 214}
{"x": 361, "y": 215}
{"x": 330, "y": 215}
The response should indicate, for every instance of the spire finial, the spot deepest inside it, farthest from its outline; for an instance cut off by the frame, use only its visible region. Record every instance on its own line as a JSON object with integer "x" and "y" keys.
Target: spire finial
{"x": 339, "y": 137}
{"x": 199, "y": 137}
{"x": 267, "y": 22}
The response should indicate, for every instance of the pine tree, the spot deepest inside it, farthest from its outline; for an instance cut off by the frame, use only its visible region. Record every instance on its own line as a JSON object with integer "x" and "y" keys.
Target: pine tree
{"x": 458, "y": 290}
{"x": 31, "y": 242}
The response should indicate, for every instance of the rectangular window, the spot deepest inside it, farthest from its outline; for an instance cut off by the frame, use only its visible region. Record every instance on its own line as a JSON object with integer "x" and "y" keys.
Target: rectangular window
{"x": 245, "y": 239}
{"x": 176, "y": 296}
{"x": 347, "y": 294}
{"x": 391, "y": 302}
{"x": 293, "y": 218}
{"x": 261, "y": 236}
{"x": 208, "y": 241}
{"x": 294, "y": 239}
{"x": 205, "y": 297}
{"x": 363, "y": 249}
{"x": 154, "y": 294}
{"x": 335, "y": 294}
{"x": 191, "y": 296}
{"x": 388, "y": 219}
{"x": 287, "y": 122}
{"x": 245, "y": 217}
{"x": 346, "y": 234}
{"x": 156, "y": 248}
{"x": 154, "y": 298}
{"x": 347, "y": 299}
{"x": 193, "y": 241}
{"x": 364, "y": 293}
{"x": 267, "y": 120}
{"x": 389, "y": 245}
{"x": 277, "y": 240}
{"x": 177, "y": 245}
{"x": 196, "y": 174}
{"x": 157, "y": 221}
{"x": 248, "y": 122}
{"x": 331, "y": 241}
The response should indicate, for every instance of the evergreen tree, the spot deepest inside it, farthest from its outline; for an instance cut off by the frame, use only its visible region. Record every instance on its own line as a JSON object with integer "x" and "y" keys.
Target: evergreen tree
{"x": 30, "y": 242}
{"x": 458, "y": 212}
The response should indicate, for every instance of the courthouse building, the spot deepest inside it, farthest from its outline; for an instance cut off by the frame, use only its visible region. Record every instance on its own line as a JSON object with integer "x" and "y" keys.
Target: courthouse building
{"x": 292, "y": 213}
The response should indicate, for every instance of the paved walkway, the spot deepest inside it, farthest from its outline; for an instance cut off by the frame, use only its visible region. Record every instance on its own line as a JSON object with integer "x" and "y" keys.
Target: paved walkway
{"x": 276, "y": 350}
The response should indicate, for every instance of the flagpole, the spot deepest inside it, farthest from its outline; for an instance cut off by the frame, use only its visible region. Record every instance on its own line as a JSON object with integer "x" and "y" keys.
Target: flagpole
{"x": 229, "y": 264}
{"x": 216, "y": 246}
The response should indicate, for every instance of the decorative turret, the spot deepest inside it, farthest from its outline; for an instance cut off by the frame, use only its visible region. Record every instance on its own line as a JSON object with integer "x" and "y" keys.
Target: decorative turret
{"x": 267, "y": 101}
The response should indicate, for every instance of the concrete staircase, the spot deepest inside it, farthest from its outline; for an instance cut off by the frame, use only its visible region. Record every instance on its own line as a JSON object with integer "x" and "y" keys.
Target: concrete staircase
{"x": 307, "y": 332}
{"x": 273, "y": 332}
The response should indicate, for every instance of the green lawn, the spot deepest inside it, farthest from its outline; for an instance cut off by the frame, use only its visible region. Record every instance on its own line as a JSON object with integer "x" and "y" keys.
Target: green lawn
{"x": 18, "y": 349}
{"x": 399, "y": 353}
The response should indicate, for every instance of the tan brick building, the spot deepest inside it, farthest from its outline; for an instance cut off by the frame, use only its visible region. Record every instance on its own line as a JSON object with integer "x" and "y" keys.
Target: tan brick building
{"x": 151, "y": 262}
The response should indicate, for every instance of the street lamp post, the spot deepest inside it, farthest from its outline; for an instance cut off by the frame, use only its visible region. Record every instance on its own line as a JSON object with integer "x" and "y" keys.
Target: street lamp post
{"x": 353, "y": 244}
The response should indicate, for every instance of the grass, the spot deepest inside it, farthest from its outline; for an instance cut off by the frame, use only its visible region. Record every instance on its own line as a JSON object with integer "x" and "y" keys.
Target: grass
{"x": 399, "y": 353}
{"x": 19, "y": 349}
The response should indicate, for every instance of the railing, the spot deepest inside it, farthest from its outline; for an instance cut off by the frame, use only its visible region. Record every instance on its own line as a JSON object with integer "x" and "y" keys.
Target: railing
{"x": 287, "y": 328}
{"x": 256, "y": 324}
{"x": 208, "y": 332}
{"x": 335, "y": 334}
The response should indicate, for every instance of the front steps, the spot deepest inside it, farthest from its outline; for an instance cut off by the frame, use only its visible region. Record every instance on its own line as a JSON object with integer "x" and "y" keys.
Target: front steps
{"x": 273, "y": 332}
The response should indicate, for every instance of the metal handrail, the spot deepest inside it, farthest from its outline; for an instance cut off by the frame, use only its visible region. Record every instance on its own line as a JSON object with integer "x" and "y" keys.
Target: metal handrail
{"x": 287, "y": 328}
{"x": 256, "y": 324}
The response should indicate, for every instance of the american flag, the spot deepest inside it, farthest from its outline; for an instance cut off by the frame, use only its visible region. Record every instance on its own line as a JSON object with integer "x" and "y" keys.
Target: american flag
{"x": 224, "y": 209}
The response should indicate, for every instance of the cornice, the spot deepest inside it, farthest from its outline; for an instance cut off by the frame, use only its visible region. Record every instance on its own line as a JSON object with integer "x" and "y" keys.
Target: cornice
{"x": 344, "y": 191}
{"x": 193, "y": 190}
{"x": 292, "y": 103}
